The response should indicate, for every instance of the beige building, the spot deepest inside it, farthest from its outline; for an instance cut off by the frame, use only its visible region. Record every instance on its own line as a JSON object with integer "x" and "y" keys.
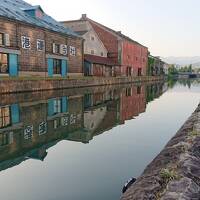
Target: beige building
{"x": 97, "y": 62}
{"x": 92, "y": 44}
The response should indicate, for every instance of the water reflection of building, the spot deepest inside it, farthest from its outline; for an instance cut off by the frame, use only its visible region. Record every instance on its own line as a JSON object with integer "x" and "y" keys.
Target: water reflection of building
{"x": 101, "y": 112}
{"x": 132, "y": 103}
{"x": 9, "y": 115}
{"x": 154, "y": 91}
{"x": 28, "y": 129}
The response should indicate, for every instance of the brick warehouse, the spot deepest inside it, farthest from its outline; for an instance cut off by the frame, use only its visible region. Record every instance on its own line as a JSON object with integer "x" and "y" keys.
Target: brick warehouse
{"x": 126, "y": 56}
{"x": 32, "y": 43}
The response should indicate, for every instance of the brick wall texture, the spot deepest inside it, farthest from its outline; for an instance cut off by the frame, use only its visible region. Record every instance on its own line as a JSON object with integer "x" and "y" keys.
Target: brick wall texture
{"x": 123, "y": 51}
{"x": 33, "y": 60}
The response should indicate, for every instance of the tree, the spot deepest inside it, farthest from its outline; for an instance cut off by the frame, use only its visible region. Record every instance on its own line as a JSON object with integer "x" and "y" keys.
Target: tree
{"x": 150, "y": 66}
{"x": 173, "y": 70}
{"x": 190, "y": 68}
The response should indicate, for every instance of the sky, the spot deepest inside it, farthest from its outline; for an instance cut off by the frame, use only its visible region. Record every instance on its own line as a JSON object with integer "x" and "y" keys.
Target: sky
{"x": 167, "y": 28}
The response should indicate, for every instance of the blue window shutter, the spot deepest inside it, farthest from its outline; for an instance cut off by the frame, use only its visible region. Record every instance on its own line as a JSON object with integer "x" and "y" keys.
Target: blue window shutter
{"x": 64, "y": 68}
{"x": 15, "y": 113}
{"x": 50, "y": 107}
{"x": 13, "y": 65}
{"x": 50, "y": 67}
{"x": 67, "y": 67}
{"x": 64, "y": 104}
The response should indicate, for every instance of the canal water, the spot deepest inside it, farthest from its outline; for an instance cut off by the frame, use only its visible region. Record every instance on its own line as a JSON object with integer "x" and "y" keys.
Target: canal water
{"x": 84, "y": 144}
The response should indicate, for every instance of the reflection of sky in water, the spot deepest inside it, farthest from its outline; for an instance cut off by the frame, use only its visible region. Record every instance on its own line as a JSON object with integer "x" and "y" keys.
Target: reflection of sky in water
{"x": 98, "y": 170}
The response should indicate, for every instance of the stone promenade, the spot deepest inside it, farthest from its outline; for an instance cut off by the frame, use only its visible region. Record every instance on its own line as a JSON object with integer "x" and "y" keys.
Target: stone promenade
{"x": 175, "y": 173}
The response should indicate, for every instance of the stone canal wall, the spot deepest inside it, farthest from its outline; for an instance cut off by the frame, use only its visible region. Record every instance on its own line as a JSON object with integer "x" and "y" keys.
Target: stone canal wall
{"x": 22, "y": 97}
{"x": 25, "y": 85}
{"x": 175, "y": 172}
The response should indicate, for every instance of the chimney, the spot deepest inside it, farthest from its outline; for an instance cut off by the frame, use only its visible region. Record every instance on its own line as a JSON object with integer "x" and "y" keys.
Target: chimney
{"x": 84, "y": 16}
{"x": 119, "y": 32}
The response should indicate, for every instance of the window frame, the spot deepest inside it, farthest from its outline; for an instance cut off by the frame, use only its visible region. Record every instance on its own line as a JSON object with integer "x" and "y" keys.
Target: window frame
{"x": 139, "y": 89}
{"x": 57, "y": 107}
{"x": 3, "y": 39}
{"x": 139, "y": 71}
{"x": 57, "y": 66}
{"x": 129, "y": 71}
{"x": 128, "y": 92}
{"x": 3, "y": 117}
{"x": 7, "y": 71}
{"x": 57, "y": 48}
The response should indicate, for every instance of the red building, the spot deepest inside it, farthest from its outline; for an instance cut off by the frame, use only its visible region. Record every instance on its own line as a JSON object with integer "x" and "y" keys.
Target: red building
{"x": 127, "y": 57}
{"x": 130, "y": 56}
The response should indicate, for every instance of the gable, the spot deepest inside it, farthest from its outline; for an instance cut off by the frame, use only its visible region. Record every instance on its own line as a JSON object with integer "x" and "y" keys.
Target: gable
{"x": 112, "y": 33}
{"x": 78, "y": 26}
{"x": 93, "y": 42}
{"x": 35, "y": 11}
{"x": 109, "y": 40}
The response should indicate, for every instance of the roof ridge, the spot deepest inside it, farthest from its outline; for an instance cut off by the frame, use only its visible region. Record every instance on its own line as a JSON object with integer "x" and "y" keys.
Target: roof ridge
{"x": 115, "y": 32}
{"x": 15, "y": 10}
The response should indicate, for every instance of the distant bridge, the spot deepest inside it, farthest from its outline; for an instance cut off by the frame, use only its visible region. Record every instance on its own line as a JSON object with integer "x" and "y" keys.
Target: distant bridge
{"x": 188, "y": 75}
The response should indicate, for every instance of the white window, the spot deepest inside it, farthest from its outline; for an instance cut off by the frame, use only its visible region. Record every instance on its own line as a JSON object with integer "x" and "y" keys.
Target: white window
{"x": 4, "y": 39}
{"x": 63, "y": 49}
{"x": 55, "y": 124}
{"x": 40, "y": 45}
{"x": 11, "y": 137}
{"x": 72, "y": 51}
{"x": 56, "y": 48}
{"x": 128, "y": 92}
{"x": 57, "y": 106}
{"x": 7, "y": 40}
{"x": 26, "y": 42}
